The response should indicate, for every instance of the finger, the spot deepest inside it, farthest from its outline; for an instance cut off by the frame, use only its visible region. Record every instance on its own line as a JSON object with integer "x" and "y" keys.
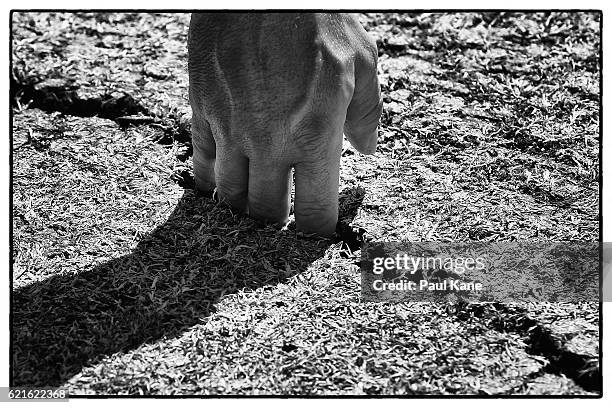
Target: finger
{"x": 316, "y": 196}
{"x": 204, "y": 154}
{"x": 269, "y": 191}
{"x": 232, "y": 177}
{"x": 365, "y": 108}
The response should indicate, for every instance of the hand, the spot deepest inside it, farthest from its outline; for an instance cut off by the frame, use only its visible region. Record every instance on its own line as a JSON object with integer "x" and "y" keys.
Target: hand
{"x": 273, "y": 93}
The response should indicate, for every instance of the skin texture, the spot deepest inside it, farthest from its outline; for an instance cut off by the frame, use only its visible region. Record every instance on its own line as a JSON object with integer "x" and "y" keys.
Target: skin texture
{"x": 272, "y": 94}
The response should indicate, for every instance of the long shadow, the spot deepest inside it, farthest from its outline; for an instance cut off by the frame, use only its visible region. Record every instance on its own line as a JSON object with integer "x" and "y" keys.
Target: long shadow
{"x": 170, "y": 281}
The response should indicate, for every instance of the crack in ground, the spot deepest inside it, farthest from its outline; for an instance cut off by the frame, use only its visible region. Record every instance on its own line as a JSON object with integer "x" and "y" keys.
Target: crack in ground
{"x": 540, "y": 340}
{"x": 123, "y": 109}
{"x": 67, "y": 100}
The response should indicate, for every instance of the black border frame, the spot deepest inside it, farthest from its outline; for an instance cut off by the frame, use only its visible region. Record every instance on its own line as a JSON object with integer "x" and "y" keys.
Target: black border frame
{"x": 224, "y": 396}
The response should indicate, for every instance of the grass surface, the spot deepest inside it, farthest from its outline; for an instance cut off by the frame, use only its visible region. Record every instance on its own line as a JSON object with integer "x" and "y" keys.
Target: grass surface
{"x": 126, "y": 281}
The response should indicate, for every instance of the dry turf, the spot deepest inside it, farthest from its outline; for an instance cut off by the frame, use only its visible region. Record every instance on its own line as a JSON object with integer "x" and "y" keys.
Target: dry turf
{"x": 127, "y": 281}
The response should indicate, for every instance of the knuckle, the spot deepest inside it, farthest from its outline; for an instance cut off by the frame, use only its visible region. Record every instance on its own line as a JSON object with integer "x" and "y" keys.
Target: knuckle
{"x": 309, "y": 135}
{"x": 371, "y": 48}
{"x": 314, "y": 208}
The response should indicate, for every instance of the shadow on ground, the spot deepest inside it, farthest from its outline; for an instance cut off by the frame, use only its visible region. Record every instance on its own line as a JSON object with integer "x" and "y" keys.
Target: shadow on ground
{"x": 170, "y": 281}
